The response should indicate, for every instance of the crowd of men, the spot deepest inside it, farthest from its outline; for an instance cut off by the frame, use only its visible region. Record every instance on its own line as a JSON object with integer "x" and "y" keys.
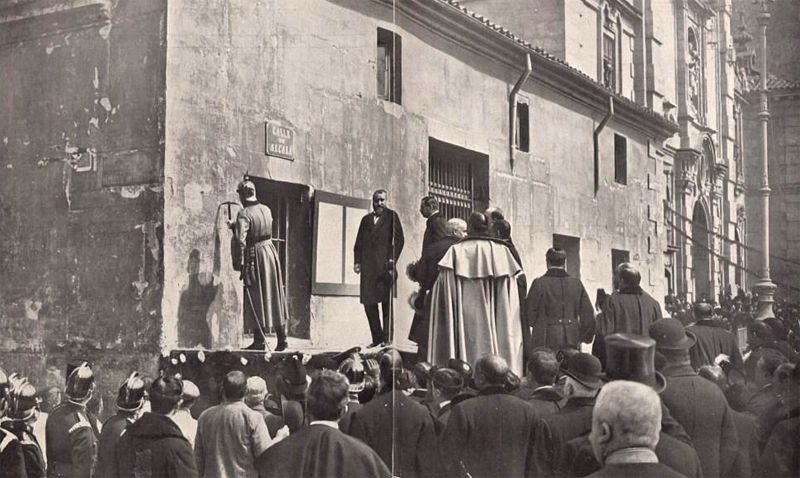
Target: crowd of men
{"x": 647, "y": 410}
{"x": 499, "y": 388}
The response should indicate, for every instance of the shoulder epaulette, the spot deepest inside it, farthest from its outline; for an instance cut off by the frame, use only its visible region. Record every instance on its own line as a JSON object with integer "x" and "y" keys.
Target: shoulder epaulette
{"x": 81, "y": 423}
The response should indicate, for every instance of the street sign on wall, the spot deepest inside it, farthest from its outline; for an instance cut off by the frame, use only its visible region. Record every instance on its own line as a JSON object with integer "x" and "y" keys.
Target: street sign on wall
{"x": 280, "y": 141}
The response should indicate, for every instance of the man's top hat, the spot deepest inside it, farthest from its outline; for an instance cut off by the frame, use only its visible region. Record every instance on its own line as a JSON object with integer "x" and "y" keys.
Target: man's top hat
{"x": 669, "y": 334}
{"x": 632, "y": 357}
{"x": 131, "y": 393}
{"x": 703, "y": 310}
{"x": 23, "y": 401}
{"x": 293, "y": 376}
{"x": 585, "y": 369}
{"x": 80, "y": 382}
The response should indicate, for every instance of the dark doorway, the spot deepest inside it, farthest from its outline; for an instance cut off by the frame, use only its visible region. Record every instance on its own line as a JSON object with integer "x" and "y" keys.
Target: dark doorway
{"x": 618, "y": 257}
{"x": 572, "y": 246}
{"x": 700, "y": 253}
{"x": 291, "y": 231}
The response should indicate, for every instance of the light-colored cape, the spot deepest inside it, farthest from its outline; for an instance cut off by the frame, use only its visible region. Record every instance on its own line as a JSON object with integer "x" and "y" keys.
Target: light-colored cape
{"x": 475, "y": 305}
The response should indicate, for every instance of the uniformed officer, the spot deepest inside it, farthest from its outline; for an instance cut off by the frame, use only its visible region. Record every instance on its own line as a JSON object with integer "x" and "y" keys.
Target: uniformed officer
{"x": 71, "y": 431}
{"x": 23, "y": 411}
{"x": 129, "y": 408}
{"x": 12, "y": 462}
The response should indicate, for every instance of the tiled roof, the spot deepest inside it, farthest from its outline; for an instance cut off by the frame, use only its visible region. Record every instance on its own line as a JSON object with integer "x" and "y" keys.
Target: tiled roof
{"x": 542, "y": 53}
{"x": 774, "y": 83}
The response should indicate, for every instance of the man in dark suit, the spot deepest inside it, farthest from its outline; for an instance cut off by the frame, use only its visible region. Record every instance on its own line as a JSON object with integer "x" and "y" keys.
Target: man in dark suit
{"x": 558, "y": 308}
{"x": 378, "y": 246}
{"x": 491, "y": 435}
{"x": 625, "y": 430}
{"x": 400, "y": 430}
{"x": 434, "y": 224}
{"x": 696, "y": 403}
{"x": 630, "y": 309}
{"x": 538, "y": 388}
{"x": 320, "y": 449}
{"x": 425, "y": 273}
{"x": 712, "y": 340}
{"x": 582, "y": 380}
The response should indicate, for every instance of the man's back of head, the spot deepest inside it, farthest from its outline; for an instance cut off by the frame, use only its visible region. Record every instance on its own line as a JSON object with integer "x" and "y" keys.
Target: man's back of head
{"x": 556, "y": 257}
{"x": 627, "y": 275}
{"x": 256, "y": 391}
{"x": 165, "y": 394}
{"x": 626, "y": 415}
{"x": 328, "y": 396}
{"x": 456, "y": 227}
{"x": 234, "y": 386}
{"x": 391, "y": 366}
{"x": 477, "y": 224}
{"x": 542, "y": 367}
{"x": 491, "y": 370}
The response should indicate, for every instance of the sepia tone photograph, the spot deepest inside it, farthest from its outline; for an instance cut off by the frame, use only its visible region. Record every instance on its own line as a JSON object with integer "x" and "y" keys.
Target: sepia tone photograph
{"x": 399, "y": 238}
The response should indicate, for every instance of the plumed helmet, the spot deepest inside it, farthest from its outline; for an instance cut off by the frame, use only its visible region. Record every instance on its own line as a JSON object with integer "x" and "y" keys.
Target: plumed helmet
{"x": 80, "y": 382}
{"x": 246, "y": 188}
{"x": 23, "y": 401}
{"x": 353, "y": 369}
{"x": 4, "y": 386}
{"x": 131, "y": 393}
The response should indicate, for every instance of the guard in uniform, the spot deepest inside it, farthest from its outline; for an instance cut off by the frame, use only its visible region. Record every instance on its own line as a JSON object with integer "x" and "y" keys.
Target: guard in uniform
{"x": 129, "y": 407}
{"x": 255, "y": 256}
{"x": 71, "y": 431}
{"x": 12, "y": 463}
{"x": 23, "y": 411}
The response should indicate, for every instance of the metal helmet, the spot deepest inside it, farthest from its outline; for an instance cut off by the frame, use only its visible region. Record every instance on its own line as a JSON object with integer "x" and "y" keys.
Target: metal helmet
{"x": 23, "y": 401}
{"x": 5, "y": 387}
{"x": 131, "y": 393}
{"x": 246, "y": 188}
{"x": 353, "y": 369}
{"x": 80, "y": 382}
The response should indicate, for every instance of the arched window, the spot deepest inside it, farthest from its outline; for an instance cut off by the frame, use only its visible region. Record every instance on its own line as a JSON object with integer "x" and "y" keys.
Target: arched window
{"x": 695, "y": 63}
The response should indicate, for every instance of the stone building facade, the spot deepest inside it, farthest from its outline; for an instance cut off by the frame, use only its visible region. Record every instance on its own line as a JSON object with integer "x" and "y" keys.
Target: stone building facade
{"x": 126, "y": 126}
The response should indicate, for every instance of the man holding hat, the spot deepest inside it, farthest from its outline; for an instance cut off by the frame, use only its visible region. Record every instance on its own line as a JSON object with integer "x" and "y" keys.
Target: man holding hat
{"x": 129, "y": 407}
{"x": 71, "y": 433}
{"x": 23, "y": 411}
{"x": 399, "y": 429}
{"x": 256, "y": 257}
{"x": 582, "y": 380}
{"x": 558, "y": 308}
{"x": 696, "y": 403}
{"x": 712, "y": 341}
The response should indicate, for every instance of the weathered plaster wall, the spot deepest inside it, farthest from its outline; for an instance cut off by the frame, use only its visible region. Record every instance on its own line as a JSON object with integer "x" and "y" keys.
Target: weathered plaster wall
{"x": 80, "y": 252}
{"x": 231, "y": 65}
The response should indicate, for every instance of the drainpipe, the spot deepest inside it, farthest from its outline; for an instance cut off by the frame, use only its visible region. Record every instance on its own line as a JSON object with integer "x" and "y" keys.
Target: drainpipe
{"x": 597, "y": 143}
{"x": 513, "y": 100}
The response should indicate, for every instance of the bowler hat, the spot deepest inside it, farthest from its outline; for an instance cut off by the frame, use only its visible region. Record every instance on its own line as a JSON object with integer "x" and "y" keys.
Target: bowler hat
{"x": 424, "y": 371}
{"x": 293, "y": 376}
{"x": 448, "y": 380}
{"x": 585, "y": 369}
{"x": 669, "y": 334}
{"x": 632, "y": 357}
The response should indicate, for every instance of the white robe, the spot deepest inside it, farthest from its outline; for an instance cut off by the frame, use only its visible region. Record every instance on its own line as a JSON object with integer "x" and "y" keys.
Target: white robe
{"x": 475, "y": 305}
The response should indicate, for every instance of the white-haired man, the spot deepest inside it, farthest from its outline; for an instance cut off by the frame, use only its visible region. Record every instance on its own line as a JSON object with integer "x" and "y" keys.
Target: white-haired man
{"x": 626, "y": 423}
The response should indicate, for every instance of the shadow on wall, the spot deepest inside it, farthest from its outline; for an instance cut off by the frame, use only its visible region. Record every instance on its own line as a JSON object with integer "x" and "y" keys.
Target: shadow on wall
{"x": 195, "y": 302}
